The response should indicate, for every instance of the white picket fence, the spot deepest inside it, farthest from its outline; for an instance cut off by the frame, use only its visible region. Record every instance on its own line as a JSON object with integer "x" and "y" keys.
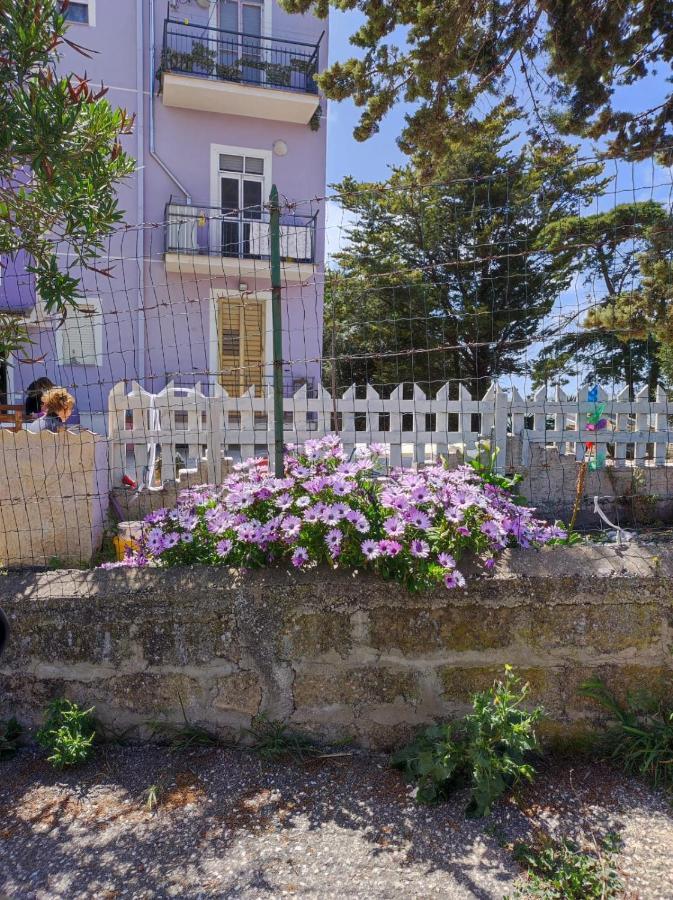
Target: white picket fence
{"x": 185, "y": 423}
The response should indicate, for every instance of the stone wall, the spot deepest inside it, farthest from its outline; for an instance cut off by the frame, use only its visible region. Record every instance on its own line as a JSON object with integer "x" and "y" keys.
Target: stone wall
{"x": 53, "y": 496}
{"x": 335, "y": 655}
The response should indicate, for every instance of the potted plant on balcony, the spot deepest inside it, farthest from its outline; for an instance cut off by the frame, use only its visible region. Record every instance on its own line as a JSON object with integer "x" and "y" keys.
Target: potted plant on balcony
{"x": 278, "y": 75}
{"x": 203, "y": 59}
{"x": 227, "y": 72}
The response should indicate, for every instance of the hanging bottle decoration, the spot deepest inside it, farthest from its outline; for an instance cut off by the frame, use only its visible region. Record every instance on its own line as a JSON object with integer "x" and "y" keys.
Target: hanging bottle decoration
{"x": 595, "y": 422}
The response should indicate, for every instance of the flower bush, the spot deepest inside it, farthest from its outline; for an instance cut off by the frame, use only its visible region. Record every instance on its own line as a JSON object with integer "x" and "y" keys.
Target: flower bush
{"x": 411, "y": 527}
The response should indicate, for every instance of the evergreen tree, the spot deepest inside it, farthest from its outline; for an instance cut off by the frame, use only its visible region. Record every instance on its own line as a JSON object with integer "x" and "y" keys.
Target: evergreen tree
{"x": 622, "y": 258}
{"x": 445, "y": 56}
{"x": 449, "y": 281}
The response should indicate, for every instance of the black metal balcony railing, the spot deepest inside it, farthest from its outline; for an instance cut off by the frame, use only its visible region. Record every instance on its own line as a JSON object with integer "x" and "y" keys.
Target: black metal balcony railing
{"x": 235, "y": 56}
{"x": 207, "y": 231}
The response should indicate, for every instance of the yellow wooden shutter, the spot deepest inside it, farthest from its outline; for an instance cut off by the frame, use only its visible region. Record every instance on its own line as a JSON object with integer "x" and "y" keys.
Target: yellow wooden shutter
{"x": 241, "y": 341}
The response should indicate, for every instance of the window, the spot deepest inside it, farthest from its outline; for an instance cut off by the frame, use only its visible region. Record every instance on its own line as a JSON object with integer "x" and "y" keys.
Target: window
{"x": 241, "y": 200}
{"x": 81, "y": 11}
{"x": 80, "y": 337}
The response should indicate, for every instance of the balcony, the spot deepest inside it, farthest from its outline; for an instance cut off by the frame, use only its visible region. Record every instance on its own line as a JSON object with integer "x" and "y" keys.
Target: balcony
{"x": 202, "y": 240}
{"x": 238, "y": 74}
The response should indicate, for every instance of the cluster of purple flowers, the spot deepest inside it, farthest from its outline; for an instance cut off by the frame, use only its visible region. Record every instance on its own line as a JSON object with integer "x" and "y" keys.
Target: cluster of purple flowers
{"x": 412, "y": 526}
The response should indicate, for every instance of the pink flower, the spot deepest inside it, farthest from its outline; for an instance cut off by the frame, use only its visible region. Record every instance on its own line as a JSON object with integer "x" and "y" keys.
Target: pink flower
{"x": 463, "y": 530}
{"x": 390, "y": 548}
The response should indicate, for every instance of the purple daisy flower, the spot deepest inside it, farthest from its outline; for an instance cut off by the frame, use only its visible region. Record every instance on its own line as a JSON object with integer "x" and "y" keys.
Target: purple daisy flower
{"x": 370, "y": 550}
{"x": 291, "y": 526}
{"x": 454, "y": 579}
{"x": 418, "y": 519}
{"x": 394, "y": 526}
{"x": 330, "y": 516}
{"x": 223, "y": 548}
{"x": 420, "y": 549}
{"x": 311, "y": 515}
{"x": 491, "y": 530}
{"x": 300, "y": 557}
{"x": 446, "y": 561}
{"x": 154, "y": 541}
{"x": 333, "y": 538}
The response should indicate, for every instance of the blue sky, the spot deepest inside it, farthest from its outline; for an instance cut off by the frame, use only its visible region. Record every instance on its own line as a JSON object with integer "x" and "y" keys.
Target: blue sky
{"x": 345, "y": 156}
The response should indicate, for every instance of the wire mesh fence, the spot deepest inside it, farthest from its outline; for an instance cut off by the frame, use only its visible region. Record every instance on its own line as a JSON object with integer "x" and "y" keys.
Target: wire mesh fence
{"x": 533, "y": 313}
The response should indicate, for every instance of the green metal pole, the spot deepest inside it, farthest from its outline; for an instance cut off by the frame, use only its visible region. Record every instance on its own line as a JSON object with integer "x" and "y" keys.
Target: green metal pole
{"x": 277, "y": 333}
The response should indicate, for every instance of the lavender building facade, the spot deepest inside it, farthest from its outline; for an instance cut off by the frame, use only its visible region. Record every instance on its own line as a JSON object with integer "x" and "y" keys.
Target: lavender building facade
{"x": 226, "y": 105}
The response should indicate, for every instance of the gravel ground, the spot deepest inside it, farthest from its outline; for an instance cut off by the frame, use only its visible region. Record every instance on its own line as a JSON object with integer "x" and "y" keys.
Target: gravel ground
{"x": 228, "y": 824}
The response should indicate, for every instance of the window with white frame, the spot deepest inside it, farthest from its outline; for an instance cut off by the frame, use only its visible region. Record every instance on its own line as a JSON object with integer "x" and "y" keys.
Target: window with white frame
{"x": 80, "y": 337}
{"x": 82, "y": 12}
{"x": 242, "y": 202}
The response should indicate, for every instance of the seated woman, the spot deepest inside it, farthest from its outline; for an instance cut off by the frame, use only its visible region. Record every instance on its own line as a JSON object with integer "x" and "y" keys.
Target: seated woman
{"x": 34, "y": 392}
{"x": 57, "y": 406}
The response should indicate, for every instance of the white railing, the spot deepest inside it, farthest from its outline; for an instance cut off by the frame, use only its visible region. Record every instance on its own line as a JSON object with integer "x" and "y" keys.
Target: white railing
{"x": 185, "y": 422}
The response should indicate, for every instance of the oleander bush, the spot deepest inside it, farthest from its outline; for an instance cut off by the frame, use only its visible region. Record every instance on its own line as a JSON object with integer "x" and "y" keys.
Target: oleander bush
{"x": 411, "y": 527}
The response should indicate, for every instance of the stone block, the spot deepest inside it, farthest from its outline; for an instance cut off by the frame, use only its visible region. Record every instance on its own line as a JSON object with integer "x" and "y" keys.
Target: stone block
{"x": 188, "y": 638}
{"x": 317, "y": 686}
{"x": 153, "y": 694}
{"x": 606, "y": 627}
{"x": 309, "y": 635}
{"x": 240, "y": 692}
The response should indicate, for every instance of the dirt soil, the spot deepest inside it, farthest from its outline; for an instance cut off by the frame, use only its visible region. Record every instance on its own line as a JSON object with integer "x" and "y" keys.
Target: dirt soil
{"x": 149, "y": 822}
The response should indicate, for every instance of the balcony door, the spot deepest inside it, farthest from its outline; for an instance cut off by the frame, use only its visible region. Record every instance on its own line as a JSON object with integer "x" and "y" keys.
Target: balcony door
{"x": 241, "y": 41}
{"x": 242, "y": 204}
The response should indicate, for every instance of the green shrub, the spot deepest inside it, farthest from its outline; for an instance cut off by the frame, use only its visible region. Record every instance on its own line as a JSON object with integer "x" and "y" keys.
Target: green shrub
{"x": 642, "y": 739}
{"x": 559, "y": 870}
{"x": 68, "y": 732}
{"x": 486, "y": 750}
{"x": 10, "y": 732}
